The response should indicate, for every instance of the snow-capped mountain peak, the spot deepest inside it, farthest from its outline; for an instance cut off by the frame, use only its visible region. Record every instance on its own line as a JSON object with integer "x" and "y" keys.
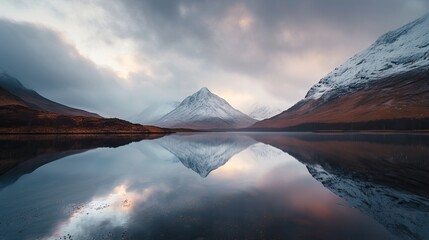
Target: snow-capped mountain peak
{"x": 203, "y": 110}
{"x": 204, "y": 90}
{"x": 201, "y": 96}
{"x": 396, "y": 52}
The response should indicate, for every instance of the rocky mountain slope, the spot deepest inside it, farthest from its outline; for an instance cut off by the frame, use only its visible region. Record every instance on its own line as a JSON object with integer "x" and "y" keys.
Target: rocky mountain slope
{"x": 383, "y": 87}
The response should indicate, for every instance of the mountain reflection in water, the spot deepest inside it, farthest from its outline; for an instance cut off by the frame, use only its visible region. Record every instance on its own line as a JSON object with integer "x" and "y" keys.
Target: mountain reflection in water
{"x": 384, "y": 176}
{"x": 248, "y": 186}
{"x": 22, "y": 154}
{"x": 206, "y": 152}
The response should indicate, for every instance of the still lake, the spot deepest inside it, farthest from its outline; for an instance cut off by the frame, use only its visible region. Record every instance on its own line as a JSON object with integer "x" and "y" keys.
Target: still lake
{"x": 215, "y": 186}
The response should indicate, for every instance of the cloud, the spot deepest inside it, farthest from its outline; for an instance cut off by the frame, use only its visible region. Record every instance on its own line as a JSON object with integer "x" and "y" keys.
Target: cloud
{"x": 283, "y": 47}
{"x": 134, "y": 53}
{"x": 42, "y": 61}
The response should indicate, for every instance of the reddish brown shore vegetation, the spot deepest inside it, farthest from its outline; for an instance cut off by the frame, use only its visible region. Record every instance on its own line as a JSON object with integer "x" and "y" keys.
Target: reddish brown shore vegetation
{"x": 19, "y": 117}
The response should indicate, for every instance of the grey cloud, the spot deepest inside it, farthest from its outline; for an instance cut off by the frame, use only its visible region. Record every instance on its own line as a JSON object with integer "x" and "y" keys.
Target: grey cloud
{"x": 333, "y": 28}
{"x": 162, "y": 22}
{"x": 193, "y": 48}
{"x": 41, "y": 60}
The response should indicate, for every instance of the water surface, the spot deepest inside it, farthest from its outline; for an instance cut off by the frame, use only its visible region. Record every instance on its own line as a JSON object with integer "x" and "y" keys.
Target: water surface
{"x": 215, "y": 186}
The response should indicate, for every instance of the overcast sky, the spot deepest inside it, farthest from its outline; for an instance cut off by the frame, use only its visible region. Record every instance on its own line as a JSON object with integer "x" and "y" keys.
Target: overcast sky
{"x": 117, "y": 57}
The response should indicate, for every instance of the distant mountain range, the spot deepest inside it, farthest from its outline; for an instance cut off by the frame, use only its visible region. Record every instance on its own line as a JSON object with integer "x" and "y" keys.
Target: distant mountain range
{"x": 23, "y": 110}
{"x": 205, "y": 110}
{"x": 152, "y": 113}
{"x": 383, "y": 87}
{"x": 261, "y": 112}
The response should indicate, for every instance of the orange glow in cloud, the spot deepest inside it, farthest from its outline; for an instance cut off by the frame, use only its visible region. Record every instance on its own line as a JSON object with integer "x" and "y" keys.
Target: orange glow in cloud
{"x": 245, "y": 22}
{"x": 239, "y": 17}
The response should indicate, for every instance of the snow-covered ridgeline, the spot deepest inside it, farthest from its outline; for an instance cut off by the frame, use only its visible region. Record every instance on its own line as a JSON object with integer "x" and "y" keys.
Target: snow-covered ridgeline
{"x": 398, "y": 51}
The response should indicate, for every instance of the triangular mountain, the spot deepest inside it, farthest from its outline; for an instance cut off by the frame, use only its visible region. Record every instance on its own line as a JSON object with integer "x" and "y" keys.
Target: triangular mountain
{"x": 383, "y": 87}
{"x": 36, "y": 101}
{"x": 205, "y": 110}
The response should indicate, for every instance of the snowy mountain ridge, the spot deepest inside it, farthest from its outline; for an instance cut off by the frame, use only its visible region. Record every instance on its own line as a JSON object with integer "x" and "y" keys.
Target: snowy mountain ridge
{"x": 398, "y": 51}
{"x": 204, "y": 109}
{"x": 260, "y": 112}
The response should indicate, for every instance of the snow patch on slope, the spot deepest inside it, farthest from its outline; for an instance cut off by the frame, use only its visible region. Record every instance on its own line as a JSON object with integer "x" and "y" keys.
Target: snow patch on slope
{"x": 398, "y": 51}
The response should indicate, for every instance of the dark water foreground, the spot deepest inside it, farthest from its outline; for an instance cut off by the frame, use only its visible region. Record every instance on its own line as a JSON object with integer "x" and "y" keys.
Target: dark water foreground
{"x": 215, "y": 186}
